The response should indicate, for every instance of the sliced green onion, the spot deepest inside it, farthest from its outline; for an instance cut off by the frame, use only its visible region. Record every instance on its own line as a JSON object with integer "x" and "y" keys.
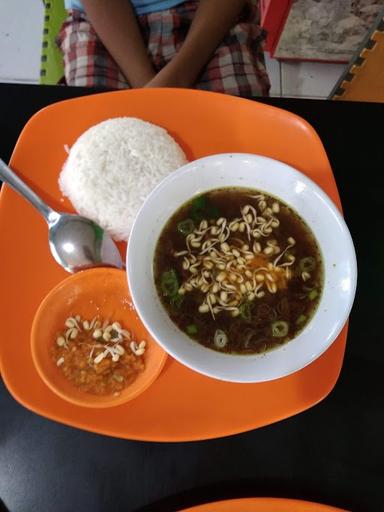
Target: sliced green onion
{"x": 280, "y": 329}
{"x": 199, "y": 202}
{"x": 220, "y": 339}
{"x": 313, "y": 294}
{"x": 185, "y": 227}
{"x": 176, "y": 300}
{"x": 191, "y": 329}
{"x": 245, "y": 311}
{"x": 169, "y": 283}
{"x": 301, "y": 319}
{"x": 202, "y": 208}
{"x": 307, "y": 264}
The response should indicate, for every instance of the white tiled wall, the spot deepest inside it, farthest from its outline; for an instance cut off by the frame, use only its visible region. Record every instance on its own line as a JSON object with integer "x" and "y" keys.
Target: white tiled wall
{"x": 302, "y": 79}
{"x": 274, "y": 72}
{"x": 309, "y": 79}
{"x": 21, "y": 24}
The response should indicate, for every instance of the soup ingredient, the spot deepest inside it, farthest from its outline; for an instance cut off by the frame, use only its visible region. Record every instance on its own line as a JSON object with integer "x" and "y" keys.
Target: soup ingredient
{"x": 307, "y": 264}
{"x": 247, "y": 273}
{"x": 246, "y": 267}
{"x": 100, "y": 358}
{"x": 113, "y": 166}
{"x": 313, "y": 294}
{"x": 280, "y": 329}
{"x": 301, "y": 320}
{"x": 169, "y": 283}
{"x": 220, "y": 339}
{"x": 191, "y": 329}
{"x": 186, "y": 227}
{"x": 245, "y": 311}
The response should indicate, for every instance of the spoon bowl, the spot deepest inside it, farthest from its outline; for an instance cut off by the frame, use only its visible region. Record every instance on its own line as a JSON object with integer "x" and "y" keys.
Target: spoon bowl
{"x": 76, "y": 243}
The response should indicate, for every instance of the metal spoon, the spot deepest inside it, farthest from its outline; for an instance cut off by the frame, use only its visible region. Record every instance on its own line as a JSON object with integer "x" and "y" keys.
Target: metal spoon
{"x": 76, "y": 242}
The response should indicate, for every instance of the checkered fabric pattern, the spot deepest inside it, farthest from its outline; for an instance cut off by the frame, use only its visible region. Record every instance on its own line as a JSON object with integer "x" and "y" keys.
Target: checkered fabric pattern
{"x": 236, "y": 67}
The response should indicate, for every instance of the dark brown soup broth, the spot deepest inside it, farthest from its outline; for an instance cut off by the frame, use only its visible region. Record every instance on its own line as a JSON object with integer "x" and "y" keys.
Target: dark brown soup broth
{"x": 260, "y": 304}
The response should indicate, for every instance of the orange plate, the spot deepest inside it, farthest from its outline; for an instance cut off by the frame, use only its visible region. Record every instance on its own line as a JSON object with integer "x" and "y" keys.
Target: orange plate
{"x": 181, "y": 405}
{"x": 263, "y": 505}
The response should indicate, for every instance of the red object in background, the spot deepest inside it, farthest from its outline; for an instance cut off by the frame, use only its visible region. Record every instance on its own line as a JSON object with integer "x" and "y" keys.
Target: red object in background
{"x": 274, "y": 14}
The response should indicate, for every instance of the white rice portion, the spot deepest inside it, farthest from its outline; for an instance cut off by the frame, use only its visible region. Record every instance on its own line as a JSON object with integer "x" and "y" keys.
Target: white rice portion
{"x": 113, "y": 166}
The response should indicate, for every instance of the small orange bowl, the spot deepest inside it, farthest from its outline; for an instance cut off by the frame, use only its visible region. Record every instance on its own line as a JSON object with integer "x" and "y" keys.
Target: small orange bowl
{"x": 99, "y": 292}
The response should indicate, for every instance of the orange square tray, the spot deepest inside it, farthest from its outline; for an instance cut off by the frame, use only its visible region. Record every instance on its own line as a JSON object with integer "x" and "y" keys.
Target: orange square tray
{"x": 181, "y": 405}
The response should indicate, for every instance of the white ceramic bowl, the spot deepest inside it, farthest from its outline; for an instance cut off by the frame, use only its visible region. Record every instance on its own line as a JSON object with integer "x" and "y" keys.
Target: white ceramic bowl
{"x": 313, "y": 205}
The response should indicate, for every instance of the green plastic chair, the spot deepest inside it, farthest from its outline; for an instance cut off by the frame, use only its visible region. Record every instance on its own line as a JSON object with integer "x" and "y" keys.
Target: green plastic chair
{"x": 52, "y": 68}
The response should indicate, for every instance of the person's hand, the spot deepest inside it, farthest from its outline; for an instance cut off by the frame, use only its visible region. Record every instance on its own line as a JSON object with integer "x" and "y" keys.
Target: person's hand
{"x": 169, "y": 76}
{"x": 212, "y": 20}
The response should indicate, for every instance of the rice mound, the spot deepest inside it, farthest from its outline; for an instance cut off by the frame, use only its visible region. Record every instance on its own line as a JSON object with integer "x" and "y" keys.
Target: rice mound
{"x": 113, "y": 166}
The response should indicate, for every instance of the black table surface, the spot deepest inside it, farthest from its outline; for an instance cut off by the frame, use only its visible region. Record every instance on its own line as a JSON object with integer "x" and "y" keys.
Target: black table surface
{"x": 333, "y": 453}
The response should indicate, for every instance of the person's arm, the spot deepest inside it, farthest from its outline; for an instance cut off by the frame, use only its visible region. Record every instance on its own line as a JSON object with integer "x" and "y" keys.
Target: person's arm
{"x": 213, "y": 19}
{"x": 115, "y": 23}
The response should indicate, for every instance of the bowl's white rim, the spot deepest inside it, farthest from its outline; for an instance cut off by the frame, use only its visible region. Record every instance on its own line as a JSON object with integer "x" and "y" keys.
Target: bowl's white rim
{"x": 350, "y": 250}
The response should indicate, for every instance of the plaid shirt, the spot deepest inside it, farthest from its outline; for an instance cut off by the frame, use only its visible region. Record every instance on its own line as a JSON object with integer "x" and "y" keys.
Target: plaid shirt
{"x": 236, "y": 67}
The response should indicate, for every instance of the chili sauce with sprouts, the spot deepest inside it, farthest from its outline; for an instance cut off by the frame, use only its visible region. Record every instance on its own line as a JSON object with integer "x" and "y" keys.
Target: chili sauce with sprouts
{"x": 98, "y": 357}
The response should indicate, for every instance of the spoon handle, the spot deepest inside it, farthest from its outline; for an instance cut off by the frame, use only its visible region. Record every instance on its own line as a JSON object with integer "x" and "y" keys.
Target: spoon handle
{"x": 9, "y": 177}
